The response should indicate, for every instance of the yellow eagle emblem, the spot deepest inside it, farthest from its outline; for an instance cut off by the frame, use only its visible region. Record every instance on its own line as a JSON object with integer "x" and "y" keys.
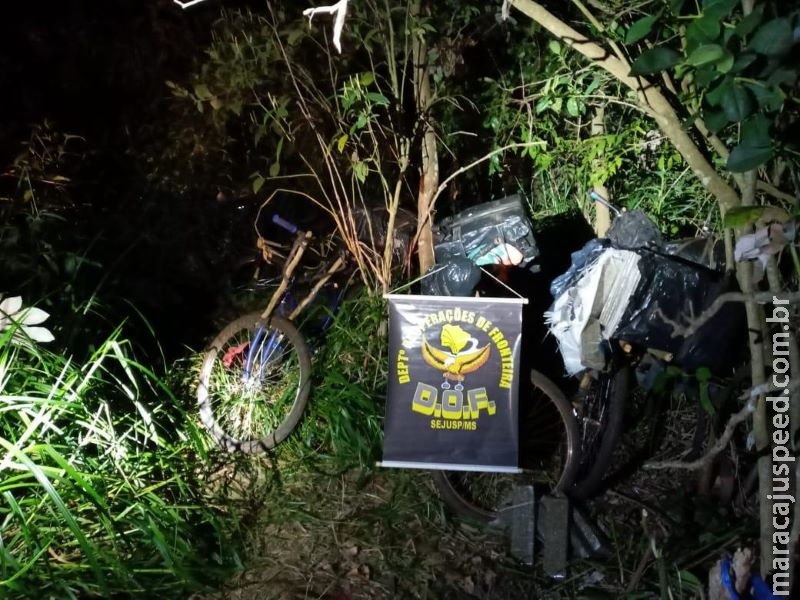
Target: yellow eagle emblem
{"x": 464, "y": 356}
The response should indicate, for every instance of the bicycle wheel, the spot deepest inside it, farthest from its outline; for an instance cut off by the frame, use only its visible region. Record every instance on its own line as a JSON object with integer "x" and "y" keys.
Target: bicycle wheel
{"x": 600, "y": 420}
{"x": 548, "y": 453}
{"x": 254, "y": 384}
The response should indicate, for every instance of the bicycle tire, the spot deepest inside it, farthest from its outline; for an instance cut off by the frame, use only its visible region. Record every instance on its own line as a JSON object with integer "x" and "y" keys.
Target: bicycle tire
{"x": 254, "y": 413}
{"x": 600, "y": 425}
{"x": 459, "y": 490}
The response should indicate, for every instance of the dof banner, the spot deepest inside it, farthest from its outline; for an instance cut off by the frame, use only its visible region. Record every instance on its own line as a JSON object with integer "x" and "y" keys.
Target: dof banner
{"x": 452, "y": 393}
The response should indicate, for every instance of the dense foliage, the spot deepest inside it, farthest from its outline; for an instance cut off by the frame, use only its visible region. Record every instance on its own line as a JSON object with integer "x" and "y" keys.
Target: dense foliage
{"x": 152, "y": 203}
{"x": 101, "y": 475}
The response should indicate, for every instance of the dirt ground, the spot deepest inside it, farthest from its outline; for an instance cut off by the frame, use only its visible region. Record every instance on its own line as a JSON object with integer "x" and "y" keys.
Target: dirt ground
{"x": 380, "y": 533}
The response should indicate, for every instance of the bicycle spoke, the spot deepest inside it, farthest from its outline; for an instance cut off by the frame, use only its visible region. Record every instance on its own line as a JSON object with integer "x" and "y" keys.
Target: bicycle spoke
{"x": 251, "y": 404}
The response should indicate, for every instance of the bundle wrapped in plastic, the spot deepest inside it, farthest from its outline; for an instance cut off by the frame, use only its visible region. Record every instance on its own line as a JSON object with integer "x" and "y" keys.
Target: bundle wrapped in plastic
{"x": 593, "y": 297}
{"x": 496, "y": 232}
{"x": 642, "y": 296}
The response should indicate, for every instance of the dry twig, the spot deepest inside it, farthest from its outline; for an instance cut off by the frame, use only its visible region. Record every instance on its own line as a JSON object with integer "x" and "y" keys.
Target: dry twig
{"x": 737, "y": 418}
{"x": 693, "y": 324}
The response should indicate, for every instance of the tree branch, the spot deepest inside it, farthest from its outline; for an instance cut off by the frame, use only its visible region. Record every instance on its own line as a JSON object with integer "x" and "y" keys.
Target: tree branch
{"x": 694, "y": 323}
{"x": 737, "y": 418}
{"x": 340, "y": 10}
{"x": 648, "y": 94}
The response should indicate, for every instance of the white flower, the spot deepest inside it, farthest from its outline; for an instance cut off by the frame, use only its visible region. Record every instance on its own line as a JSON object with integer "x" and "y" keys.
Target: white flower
{"x": 13, "y": 314}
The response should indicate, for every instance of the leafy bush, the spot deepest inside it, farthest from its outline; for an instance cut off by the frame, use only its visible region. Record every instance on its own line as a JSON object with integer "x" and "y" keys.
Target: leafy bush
{"x": 99, "y": 490}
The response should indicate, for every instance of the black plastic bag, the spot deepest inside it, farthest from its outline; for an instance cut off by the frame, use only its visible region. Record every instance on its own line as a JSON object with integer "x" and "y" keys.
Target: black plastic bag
{"x": 676, "y": 291}
{"x": 496, "y": 232}
{"x": 455, "y": 276}
{"x": 633, "y": 229}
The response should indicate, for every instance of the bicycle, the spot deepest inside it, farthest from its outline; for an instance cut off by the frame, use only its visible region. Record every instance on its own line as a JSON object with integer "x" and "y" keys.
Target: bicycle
{"x": 590, "y": 427}
{"x": 255, "y": 377}
{"x": 603, "y": 396}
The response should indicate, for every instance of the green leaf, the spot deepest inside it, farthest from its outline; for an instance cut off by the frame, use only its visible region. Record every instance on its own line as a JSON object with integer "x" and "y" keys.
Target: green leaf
{"x": 741, "y": 216}
{"x": 655, "y": 60}
{"x": 703, "y": 376}
{"x": 719, "y": 9}
{"x": 554, "y": 46}
{"x": 738, "y": 103}
{"x": 718, "y": 94}
{"x": 367, "y": 78}
{"x": 748, "y": 24}
{"x": 768, "y": 97}
{"x": 715, "y": 120}
{"x": 705, "y": 55}
{"x": 782, "y": 76}
{"x": 596, "y": 81}
{"x": 274, "y": 169}
{"x": 257, "y": 183}
{"x": 725, "y": 64}
{"x": 745, "y": 158}
{"x": 676, "y": 6}
{"x": 201, "y": 91}
{"x": 378, "y": 99}
{"x": 341, "y": 142}
{"x": 640, "y": 28}
{"x": 705, "y": 76}
{"x": 755, "y": 131}
{"x": 542, "y": 104}
{"x": 295, "y": 35}
{"x": 703, "y": 30}
{"x": 743, "y": 61}
{"x": 690, "y": 580}
{"x": 773, "y": 38}
{"x": 360, "y": 170}
{"x": 572, "y": 107}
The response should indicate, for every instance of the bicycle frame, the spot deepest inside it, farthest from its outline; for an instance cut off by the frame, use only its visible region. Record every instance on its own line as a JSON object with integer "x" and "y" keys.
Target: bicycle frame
{"x": 283, "y": 292}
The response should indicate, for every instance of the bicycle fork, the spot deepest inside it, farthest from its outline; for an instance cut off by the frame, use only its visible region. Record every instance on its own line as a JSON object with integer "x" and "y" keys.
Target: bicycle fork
{"x": 270, "y": 346}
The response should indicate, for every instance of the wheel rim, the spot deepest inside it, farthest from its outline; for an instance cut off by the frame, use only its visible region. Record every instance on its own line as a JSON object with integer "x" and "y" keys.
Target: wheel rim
{"x": 250, "y": 405}
{"x": 545, "y": 447}
{"x": 546, "y": 455}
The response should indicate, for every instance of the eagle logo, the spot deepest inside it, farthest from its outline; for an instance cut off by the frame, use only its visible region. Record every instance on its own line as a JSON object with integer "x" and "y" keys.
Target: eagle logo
{"x": 464, "y": 355}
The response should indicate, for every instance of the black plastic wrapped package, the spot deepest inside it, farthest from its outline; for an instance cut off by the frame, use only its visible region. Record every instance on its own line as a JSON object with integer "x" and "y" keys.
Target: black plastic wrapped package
{"x": 496, "y": 232}
{"x": 456, "y": 276}
{"x": 675, "y": 291}
{"x": 634, "y": 229}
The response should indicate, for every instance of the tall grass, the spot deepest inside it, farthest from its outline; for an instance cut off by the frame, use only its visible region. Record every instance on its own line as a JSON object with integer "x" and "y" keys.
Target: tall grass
{"x": 99, "y": 493}
{"x": 344, "y": 419}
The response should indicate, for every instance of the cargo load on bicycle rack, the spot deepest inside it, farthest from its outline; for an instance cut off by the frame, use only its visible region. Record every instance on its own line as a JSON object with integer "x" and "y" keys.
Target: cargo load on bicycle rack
{"x": 628, "y": 288}
{"x": 497, "y": 232}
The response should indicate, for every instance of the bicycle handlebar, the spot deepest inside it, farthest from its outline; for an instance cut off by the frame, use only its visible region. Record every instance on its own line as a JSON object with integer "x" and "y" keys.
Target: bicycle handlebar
{"x": 290, "y": 227}
{"x": 598, "y": 198}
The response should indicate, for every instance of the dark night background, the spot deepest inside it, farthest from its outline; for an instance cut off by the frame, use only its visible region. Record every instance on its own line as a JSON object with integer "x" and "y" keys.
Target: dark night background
{"x": 155, "y": 229}
{"x": 98, "y": 70}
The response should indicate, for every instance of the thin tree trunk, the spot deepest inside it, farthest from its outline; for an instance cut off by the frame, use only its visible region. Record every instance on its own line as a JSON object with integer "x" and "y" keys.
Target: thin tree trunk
{"x": 602, "y": 216}
{"x": 757, "y": 339}
{"x": 429, "y": 171}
